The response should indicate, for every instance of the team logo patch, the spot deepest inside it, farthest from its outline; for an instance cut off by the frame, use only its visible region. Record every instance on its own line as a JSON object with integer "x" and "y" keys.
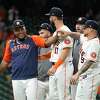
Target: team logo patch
{"x": 67, "y": 41}
{"x": 93, "y": 55}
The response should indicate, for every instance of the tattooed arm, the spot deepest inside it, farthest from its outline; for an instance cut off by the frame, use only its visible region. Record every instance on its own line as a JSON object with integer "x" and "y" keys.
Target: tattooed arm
{"x": 85, "y": 67}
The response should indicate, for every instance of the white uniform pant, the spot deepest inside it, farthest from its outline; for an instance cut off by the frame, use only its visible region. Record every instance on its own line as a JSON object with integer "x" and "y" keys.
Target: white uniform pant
{"x": 43, "y": 89}
{"x": 59, "y": 83}
{"x": 73, "y": 91}
{"x": 25, "y": 89}
{"x": 87, "y": 87}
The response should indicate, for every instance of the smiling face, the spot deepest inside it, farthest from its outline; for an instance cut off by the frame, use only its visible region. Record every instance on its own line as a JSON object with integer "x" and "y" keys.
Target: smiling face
{"x": 20, "y": 32}
{"x": 79, "y": 28}
{"x": 44, "y": 33}
{"x": 87, "y": 31}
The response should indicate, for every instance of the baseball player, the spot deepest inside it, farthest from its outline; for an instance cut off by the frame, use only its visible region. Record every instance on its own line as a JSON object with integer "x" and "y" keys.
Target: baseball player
{"x": 22, "y": 53}
{"x": 61, "y": 58}
{"x": 43, "y": 66}
{"x": 79, "y": 27}
{"x": 89, "y": 64}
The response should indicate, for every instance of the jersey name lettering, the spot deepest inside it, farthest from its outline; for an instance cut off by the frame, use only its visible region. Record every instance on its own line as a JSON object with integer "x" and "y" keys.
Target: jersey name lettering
{"x": 21, "y": 46}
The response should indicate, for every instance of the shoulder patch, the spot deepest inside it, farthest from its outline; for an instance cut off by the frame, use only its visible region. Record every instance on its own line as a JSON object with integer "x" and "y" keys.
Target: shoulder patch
{"x": 67, "y": 41}
{"x": 93, "y": 55}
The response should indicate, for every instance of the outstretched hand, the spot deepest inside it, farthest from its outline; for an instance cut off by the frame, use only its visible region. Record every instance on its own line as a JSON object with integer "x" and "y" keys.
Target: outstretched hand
{"x": 62, "y": 32}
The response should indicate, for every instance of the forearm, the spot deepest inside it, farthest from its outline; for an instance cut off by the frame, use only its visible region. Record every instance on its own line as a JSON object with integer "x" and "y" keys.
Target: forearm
{"x": 58, "y": 63}
{"x": 75, "y": 35}
{"x": 85, "y": 67}
{"x": 63, "y": 56}
{"x": 3, "y": 66}
{"x": 51, "y": 40}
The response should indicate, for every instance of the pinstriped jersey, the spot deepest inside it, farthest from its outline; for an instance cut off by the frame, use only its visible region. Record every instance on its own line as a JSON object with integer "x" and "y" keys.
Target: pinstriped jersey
{"x": 59, "y": 46}
{"x": 90, "y": 50}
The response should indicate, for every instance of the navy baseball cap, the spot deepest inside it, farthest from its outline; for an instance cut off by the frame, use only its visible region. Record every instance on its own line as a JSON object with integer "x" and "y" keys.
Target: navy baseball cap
{"x": 55, "y": 11}
{"x": 18, "y": 23}
{"x": 46, "y": 26}
{"x": 81, "y": 20}
{"x": 91, "y": 24}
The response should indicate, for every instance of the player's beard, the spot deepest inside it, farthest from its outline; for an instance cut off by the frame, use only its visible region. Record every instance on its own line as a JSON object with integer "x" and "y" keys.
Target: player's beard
{"x": 53, "y": 25}
{"x": 51, "y": 22}
{"x": 22, "y": 38}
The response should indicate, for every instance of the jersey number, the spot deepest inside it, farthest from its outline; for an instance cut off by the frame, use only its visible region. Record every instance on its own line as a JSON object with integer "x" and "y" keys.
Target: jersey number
{"x": 56, "y": 50}
{"x": 82, "y": 58}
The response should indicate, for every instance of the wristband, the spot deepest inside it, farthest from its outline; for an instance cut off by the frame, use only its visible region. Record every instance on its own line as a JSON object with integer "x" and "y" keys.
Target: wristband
{"x": 58, "y": 63}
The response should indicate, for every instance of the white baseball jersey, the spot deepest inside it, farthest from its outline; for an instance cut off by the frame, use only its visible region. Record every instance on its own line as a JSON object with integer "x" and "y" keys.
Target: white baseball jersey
{"x": 89, "y": 80}
{"x": 59, "y": 83}
{"x": 57, "y": 48}
{"x": 82, "y": 38}
{"x": 90, "y": 51}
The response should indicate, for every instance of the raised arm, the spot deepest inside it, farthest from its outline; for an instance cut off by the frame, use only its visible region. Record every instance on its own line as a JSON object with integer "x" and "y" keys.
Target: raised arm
{"x": 41, "y": 42}
{"x": 51, "y": 40}
{"x": 75, "y": 35}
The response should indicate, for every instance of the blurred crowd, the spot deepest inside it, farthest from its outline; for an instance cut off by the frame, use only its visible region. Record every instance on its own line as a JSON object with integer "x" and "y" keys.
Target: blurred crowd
{"x": 5, "y": 34}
